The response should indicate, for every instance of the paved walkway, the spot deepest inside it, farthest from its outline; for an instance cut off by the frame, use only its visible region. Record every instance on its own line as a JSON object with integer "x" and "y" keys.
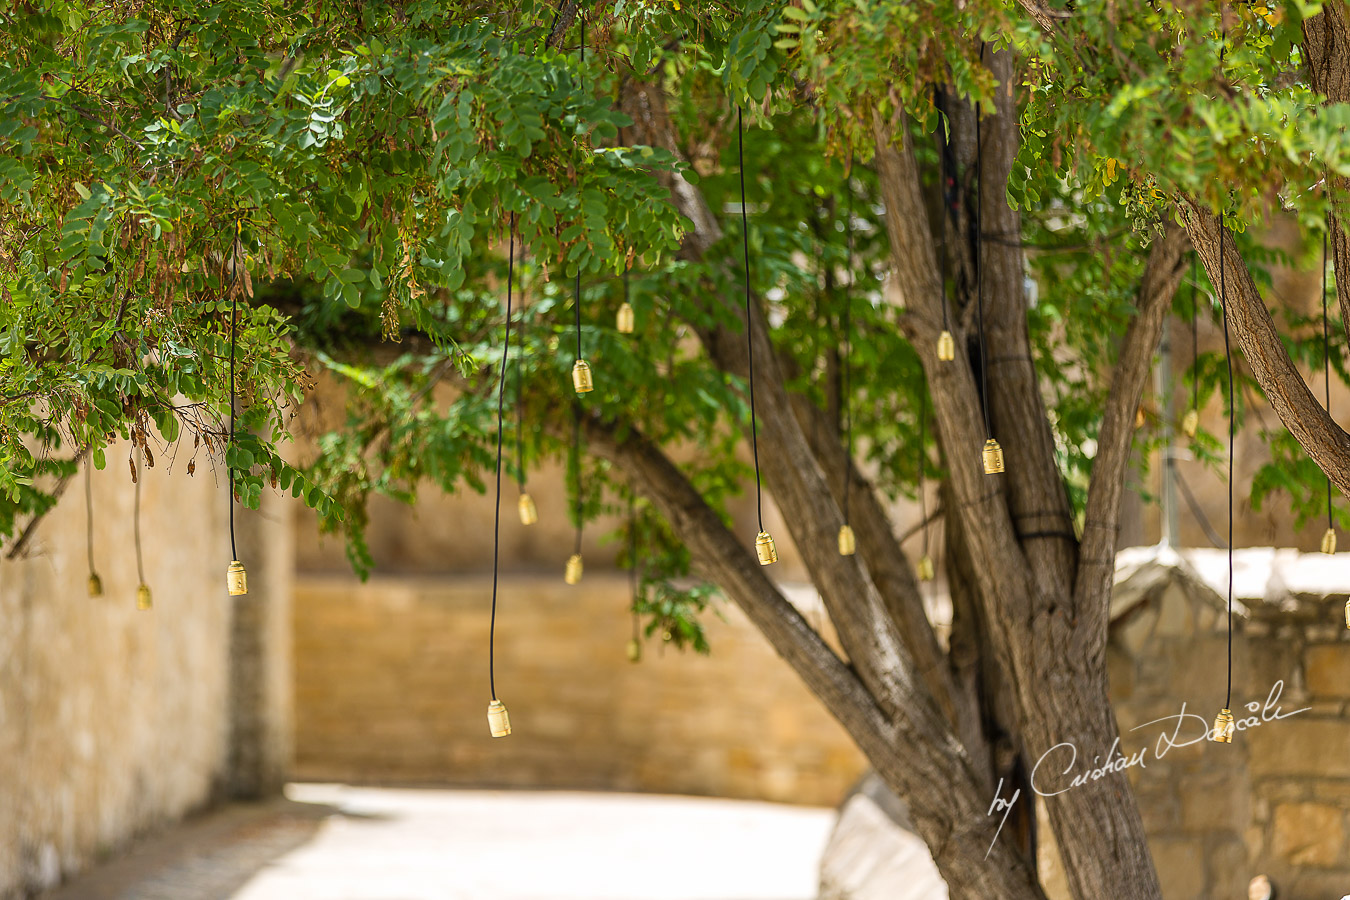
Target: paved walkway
{"x": 333, "y": 842}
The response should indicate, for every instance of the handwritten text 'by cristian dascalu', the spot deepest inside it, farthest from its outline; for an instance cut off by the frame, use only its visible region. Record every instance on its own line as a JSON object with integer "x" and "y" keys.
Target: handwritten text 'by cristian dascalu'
{"x": 1057, "y": 772}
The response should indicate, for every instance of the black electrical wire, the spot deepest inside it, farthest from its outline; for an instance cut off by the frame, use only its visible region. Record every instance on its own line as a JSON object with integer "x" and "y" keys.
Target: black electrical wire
{"x": 1232, "y": 431}
{"x": 89, "y": 514}
{"x": 950, "y": 205}
{"x": 576, "y": 301}
{"x": 576, "y": 467}
{"x": 848, "y": 358}
{"x": 749, "y": 319}
{"x": 979, "y": 268}
{"x": 501, "y": 411}
{"x": 136, "y": 519}
{"x": 632, "y": 566}
{"x": 234, "y": 307}
{"x": 1195, "y": 335}
{"x": 1326, "y": 357}
{"x": 923, "y": 500}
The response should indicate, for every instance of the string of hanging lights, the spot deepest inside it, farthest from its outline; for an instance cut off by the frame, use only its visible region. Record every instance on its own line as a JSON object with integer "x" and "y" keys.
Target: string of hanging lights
{"x": 499, "y": 721}
{"x": 848, "y": 543}
{"x": 1190, "y": 424}
{"x": 582, "y": 378}
{"x": 236, "y": 579}
{"x": 764, "y": 545}
{"x": 1223, "y": 722}
{"x": 95, "y": 583}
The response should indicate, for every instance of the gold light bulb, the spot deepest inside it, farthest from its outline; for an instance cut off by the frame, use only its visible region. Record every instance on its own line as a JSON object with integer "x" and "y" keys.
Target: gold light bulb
{"x": 1190, "y": 423}
{"x": 993, "y": 457}
{"x": 1329, "y": 541}
{"x": 236, "y": 579}
{"x": 624, "y": 319}
{"x": 95, "y": 585}
{"x": 143, "y": 600}
{"x": 848, "y": 544}
{"x": 925, "y": 568}
{"x": 582, "y": 379}
{"x": 499, "y": 722}
{"x": 1223, "y": 727}
{"x": 529, "y": 513}
{"x": 572, "y": 574}
{"x": 634, "y": 650}
{"x": 946, "y": 347}
{"x": 768, "y": 553}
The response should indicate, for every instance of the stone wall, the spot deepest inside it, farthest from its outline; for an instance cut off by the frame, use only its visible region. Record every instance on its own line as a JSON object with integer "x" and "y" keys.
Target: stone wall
{"x": 391, "y": 685}
{"x": 115, "y": 721}
{"x": 1275, "y": 802}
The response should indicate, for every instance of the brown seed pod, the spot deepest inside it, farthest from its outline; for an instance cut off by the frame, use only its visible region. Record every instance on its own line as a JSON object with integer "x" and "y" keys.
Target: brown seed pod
{"x": 149, "y": 457}
{"x": 192, "y": 466}
{"x": 132, "y": 463}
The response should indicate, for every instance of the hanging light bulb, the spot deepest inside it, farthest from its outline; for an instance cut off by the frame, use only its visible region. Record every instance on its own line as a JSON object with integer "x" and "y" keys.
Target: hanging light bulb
{"x": 95, "y": 585}
{"x": 624, "y": 318}
{"x": 764, "y": 546}
{"x": 634, "y": 650}
{"x": 1329, "y": 541}
{"x": 1223, "y": 727}
{"x": 1190, "y": 423}
{"x": 572, "y": 574}
{"x": 925, "y": 568}
{"x": 946, "y": 346}
{"x": 236, "y": 579}
{"x": 143, "y": 601}
{"x": 529, "y": 513}
{"x": 499, "y": 721}
{"x": 581, "y": 377}
{"x": 848, "y": 544}
{"x": 993, "y": 457}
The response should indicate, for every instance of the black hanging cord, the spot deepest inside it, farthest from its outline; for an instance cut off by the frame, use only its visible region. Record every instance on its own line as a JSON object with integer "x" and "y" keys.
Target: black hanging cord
{"x": 576, "y": 300}
{"x": 136, "y": 519}
{"x": 951, "y": 203}
{"x": 234, "y": 306}
{"x": 632, "y": 566}
{"x": 923, "y": 500}
{"x": 1195, "y": 334}
{"x": 520, "y": 418}
{"x": 576, "y": 466}
{"x": 979, "y": 268}
{"x": 848, "y": 358}
{"x": 1326, "y": 356}
{"x": 501, "y": 415}
{"x": 89, "y": 514}
{"x": 1232, "y": 430}
{"x": 749, "y": 319}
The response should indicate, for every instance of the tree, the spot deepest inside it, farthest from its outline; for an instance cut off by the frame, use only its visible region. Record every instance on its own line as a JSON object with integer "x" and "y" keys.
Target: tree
{"x": 344, "y": 175}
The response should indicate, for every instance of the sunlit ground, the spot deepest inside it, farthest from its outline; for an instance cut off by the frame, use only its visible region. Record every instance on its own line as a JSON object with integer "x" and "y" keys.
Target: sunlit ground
{"x": 335, "y": 842}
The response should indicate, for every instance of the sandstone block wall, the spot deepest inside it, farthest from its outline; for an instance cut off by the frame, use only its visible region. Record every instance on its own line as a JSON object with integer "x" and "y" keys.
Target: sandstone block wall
{"x": 112, "y": 721}
{"x": 391, "y": 684}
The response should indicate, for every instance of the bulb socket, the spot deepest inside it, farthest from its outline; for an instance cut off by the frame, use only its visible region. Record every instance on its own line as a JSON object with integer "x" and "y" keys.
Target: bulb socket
{"x": 634, "y": 650}
{"x": 925, "y": 568}
{"x": 95, "y": 585}
{"x": 1329, "y": 541}
{"x": 764, "y": 546}
{"x": 499, "y": 722}
{"x": 582, "y": 379}
{"x": 236, "y": 579}
{"x": 143, "y": 601}
{"x": 529, "y": 513}
{"x": 1347, "y": 614}
{"x": 946, "y": 347}
{"x": 624, "y": 319}
{"x": 993, "y": 458}
{"x": 848, "y": 543}
{"x": 1223, "y": 727}
{"x": 1190, "y": 423}
{"x": 572, "y": 574}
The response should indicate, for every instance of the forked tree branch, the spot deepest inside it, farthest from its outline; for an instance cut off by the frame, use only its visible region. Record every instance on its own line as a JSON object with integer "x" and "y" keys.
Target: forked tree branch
{"x": 1326, "y": 46}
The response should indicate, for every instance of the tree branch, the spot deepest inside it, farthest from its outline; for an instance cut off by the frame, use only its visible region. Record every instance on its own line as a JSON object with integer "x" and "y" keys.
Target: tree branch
{"x": 1096, "y": 568}
{"x": 1326, "y": 47}
{"x": 1325, "y": 442}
